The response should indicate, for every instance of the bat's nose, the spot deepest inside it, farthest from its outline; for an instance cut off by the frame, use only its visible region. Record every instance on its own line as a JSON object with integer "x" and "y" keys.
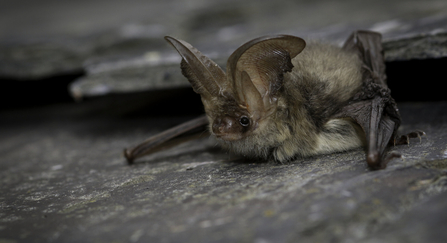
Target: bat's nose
{"x": 227, "y": 128}
{"x": 223, "y": 125}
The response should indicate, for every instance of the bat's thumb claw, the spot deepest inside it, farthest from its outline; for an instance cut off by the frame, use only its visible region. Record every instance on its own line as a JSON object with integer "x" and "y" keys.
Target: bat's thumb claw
{"x": 128, "y": 156}
{"x": 373, "y": 160}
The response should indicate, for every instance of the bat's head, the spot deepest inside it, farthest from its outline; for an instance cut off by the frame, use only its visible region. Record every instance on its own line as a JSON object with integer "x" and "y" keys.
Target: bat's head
{"x": 240, "y": 103}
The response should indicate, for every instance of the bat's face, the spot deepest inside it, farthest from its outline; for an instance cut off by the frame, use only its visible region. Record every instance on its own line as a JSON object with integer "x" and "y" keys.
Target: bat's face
{"x": 239, "y": 104}
{"x": 234, "y": 125}
{"x": 229, "y": 119}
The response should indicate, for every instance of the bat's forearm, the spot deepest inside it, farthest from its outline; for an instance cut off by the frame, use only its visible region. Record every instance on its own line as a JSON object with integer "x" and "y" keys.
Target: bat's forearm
{"x": 153, "y": 142}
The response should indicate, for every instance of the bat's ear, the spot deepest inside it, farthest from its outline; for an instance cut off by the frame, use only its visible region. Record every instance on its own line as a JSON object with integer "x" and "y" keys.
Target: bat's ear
{"x": 264, "y": 61}
{"x": 205, "y": 76}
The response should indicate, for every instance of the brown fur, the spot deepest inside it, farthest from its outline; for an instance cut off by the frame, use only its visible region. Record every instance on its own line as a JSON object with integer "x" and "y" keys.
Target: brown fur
{"x": 288, "y": 94}
{"x": 323, "y": 79}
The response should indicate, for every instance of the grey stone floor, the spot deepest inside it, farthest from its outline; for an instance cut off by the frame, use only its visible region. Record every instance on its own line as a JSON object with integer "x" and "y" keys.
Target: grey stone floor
{"x": 62, "y": 174}
{"x": 63, "y": 179}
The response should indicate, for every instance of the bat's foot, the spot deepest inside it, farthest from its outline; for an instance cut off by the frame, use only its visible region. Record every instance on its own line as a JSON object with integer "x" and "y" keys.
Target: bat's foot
{"x": 405, "y": 139}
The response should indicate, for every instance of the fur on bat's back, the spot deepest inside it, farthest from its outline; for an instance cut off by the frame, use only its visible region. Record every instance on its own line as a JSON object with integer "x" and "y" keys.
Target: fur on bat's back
{"x": 322, "y": 81}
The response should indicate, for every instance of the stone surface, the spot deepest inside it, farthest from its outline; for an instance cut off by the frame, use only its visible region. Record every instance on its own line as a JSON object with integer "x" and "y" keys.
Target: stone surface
{"x": 423, "y": 38}
{"x": 63, "y": 179}
{"x": 62, "y": 174}
{"x": 121, "y": 49}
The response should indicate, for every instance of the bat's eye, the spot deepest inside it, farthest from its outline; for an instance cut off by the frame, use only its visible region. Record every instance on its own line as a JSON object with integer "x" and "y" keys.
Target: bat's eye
{"x": 244, "y": 121}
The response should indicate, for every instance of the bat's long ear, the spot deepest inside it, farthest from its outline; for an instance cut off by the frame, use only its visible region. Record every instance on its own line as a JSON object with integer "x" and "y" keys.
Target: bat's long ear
{"x": 205, "y": 76}
{"x": 256, "y": 69}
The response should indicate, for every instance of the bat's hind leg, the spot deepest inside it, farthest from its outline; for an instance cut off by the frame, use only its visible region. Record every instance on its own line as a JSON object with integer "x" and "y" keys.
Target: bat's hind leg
{"x": 405, "y": 139}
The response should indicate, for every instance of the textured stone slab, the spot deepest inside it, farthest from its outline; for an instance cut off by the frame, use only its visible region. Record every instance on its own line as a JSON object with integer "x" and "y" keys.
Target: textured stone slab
{"x": 40, "y": 59}
{"x": 124, "y": 39}
{"x": 403, "y": 40}
{"x": 63, "y": 179}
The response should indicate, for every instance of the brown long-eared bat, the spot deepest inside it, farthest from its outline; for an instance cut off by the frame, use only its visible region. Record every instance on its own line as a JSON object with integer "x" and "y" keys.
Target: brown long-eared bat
{"x": 281, "y": 98}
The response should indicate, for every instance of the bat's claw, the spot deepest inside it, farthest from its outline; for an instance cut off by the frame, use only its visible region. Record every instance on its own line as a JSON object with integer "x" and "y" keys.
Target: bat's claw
{"x": 405, "y": 139}
{"x": 128, "y": 155}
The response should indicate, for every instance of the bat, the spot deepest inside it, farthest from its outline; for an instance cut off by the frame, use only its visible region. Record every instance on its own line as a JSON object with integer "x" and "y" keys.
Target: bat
{"x": 282, "y": 98}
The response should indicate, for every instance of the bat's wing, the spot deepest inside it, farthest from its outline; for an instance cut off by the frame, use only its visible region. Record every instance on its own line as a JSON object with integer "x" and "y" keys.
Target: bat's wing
{"x": 372, "y": 107}
{"x": 153, "y": 143}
